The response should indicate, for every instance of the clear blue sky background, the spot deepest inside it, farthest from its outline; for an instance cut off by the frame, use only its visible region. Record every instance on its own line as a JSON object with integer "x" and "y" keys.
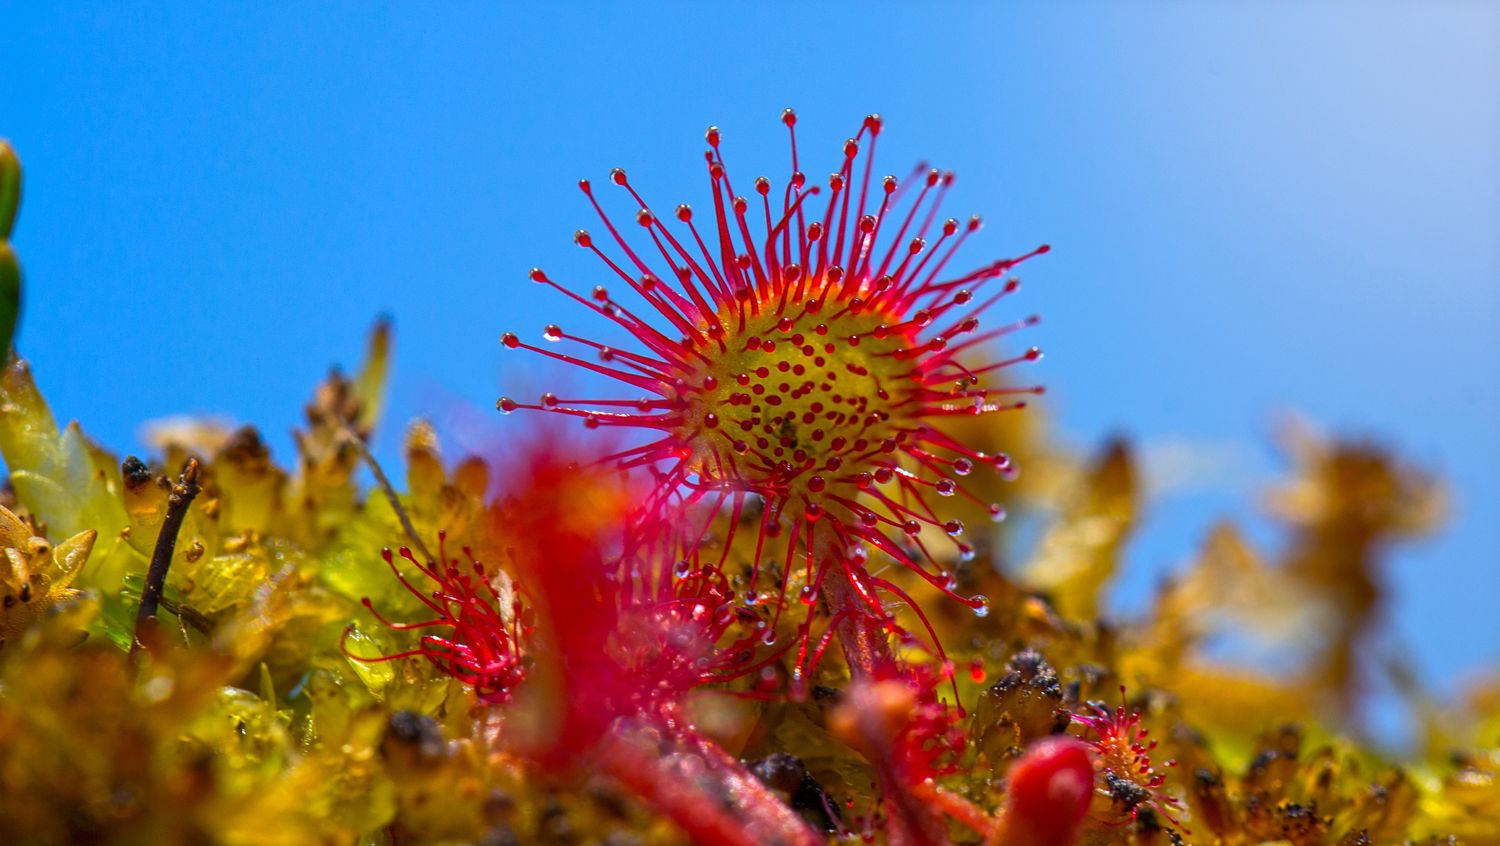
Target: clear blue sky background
{"x": 1255, "y": 208}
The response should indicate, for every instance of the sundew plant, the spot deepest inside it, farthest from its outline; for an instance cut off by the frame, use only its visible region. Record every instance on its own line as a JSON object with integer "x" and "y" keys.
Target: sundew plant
{"x": 801, "y": 565}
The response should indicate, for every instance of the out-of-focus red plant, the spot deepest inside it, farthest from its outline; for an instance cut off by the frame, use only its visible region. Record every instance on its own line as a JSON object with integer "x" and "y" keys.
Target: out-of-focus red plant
{"x": 621, "y": 654}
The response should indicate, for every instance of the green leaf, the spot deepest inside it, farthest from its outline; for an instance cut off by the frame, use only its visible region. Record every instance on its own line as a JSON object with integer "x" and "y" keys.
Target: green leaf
{"x": 10, "y": 297}
{"x": 10, "y": 189}
{"x": 10, "y": 268}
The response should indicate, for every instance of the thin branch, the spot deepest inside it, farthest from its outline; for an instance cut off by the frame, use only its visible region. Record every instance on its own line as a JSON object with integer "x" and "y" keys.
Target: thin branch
{"x": 389, "y": 490}
{"x": 181, "y": 496}
{"x": 189, "y": 616}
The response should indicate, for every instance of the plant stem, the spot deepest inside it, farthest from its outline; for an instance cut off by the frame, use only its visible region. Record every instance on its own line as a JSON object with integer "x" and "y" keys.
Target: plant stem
{"x": 384, "y": 483}
{"x": 863, "y": 640}
{"x": 866, "y": 647}
{"x": 720, "y": 804}
{"x": 181, "y": 496}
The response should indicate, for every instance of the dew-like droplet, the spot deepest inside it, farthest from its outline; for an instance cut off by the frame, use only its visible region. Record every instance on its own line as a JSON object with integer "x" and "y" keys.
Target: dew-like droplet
{"x": 997, "y": 512}
{"x": 945, "y": 487}
{"x": 806, "y": 594}
{"x": 981, "y": 605}
{"x": 506, "y": 405}
{"x": 552, "y": 333}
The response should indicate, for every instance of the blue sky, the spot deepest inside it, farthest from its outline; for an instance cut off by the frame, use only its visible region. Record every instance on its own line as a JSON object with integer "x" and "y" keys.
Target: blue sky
{"x": 1254, "y": 209}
